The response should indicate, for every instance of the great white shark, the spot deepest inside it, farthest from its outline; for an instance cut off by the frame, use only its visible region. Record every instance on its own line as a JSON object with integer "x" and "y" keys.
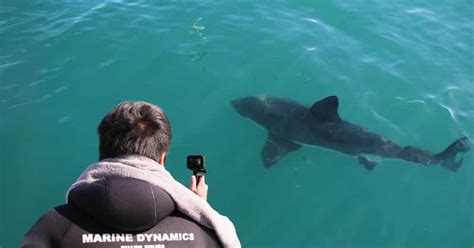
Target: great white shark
{"x": 291, "y": 125}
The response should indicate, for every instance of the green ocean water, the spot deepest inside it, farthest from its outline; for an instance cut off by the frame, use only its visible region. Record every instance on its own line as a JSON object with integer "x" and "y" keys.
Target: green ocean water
{"x": 402, "y": 69}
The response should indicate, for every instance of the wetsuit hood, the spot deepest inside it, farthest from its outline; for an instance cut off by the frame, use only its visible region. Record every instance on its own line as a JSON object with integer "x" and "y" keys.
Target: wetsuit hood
{"x": 123, "y": 204}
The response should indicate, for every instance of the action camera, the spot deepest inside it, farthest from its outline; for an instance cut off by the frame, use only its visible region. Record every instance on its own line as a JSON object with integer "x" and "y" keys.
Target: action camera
{"x": 196, "y": 164}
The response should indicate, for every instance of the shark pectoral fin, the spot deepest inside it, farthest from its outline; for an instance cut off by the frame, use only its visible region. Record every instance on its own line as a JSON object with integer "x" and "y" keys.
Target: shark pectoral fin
{"x": 275, "y": 148}
{"x": 369, "y": 165}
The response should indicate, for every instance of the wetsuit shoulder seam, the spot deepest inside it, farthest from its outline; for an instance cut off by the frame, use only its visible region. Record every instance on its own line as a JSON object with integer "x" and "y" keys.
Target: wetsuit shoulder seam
{"x": 66, "y": 231}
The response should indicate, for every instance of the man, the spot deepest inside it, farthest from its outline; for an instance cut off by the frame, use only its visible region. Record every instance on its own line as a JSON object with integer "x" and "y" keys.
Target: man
{"x": 128, "y": 199}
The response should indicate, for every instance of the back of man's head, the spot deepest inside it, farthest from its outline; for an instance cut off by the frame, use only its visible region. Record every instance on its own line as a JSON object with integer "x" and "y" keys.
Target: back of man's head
{"x": 134, "y": 128}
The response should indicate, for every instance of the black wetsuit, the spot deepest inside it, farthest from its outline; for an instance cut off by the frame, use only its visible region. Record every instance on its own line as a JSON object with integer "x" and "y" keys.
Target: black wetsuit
{"x": 121, "y": 213}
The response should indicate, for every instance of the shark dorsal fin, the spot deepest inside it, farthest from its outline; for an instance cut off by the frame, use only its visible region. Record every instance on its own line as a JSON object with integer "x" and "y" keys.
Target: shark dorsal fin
{"x": 325, "y": 110}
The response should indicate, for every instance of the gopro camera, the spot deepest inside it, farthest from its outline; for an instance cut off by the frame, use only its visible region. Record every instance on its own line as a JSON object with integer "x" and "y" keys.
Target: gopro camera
{"x": 196, "y": 164}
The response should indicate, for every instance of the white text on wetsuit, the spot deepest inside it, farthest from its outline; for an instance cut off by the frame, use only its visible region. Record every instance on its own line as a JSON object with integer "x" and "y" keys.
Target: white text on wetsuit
{"x": 119, "y": 237}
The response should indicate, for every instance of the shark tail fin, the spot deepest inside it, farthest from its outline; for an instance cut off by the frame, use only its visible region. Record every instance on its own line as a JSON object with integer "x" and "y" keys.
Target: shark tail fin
{"x": 448, "y": 156}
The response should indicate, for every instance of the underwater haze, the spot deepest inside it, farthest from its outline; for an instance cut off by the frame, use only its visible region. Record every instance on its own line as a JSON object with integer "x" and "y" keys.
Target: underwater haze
{"x": 403, "y": 69}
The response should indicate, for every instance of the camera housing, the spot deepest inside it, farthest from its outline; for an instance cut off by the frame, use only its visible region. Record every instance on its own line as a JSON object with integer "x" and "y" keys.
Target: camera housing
{"x": 196, "y": 164}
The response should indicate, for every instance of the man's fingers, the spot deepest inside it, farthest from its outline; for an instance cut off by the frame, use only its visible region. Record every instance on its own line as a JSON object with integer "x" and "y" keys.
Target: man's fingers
{"x": 202, "y": 180}
{"x": 193, "y": 186}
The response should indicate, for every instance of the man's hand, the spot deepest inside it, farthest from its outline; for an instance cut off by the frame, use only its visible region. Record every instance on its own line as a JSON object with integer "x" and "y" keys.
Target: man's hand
{"x": 200, "y": 188}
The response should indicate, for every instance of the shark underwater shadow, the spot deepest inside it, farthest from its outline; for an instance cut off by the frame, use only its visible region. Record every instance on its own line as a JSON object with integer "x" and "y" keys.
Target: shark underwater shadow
{"x": 291, "y": 125}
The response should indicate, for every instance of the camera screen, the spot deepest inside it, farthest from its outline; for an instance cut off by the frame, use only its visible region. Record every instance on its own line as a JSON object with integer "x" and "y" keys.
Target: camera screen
{"x": 195, "y": 162}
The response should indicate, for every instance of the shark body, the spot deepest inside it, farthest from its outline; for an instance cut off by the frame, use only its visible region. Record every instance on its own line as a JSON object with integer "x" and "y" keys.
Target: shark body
{"x": 291, "y": 125}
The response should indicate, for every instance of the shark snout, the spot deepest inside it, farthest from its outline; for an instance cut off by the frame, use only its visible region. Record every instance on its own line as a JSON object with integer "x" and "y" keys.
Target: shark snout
{"x": 251, "y": 107}
{"x": 234, "y": 103}
{"x": 237, "y": 105}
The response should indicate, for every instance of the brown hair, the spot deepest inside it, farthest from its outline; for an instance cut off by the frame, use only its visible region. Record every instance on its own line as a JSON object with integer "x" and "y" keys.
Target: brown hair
{"x": 134, "y": 128}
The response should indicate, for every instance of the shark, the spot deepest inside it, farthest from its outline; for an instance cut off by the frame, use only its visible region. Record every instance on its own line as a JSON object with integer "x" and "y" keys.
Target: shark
{"x": 291, "y": 125}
